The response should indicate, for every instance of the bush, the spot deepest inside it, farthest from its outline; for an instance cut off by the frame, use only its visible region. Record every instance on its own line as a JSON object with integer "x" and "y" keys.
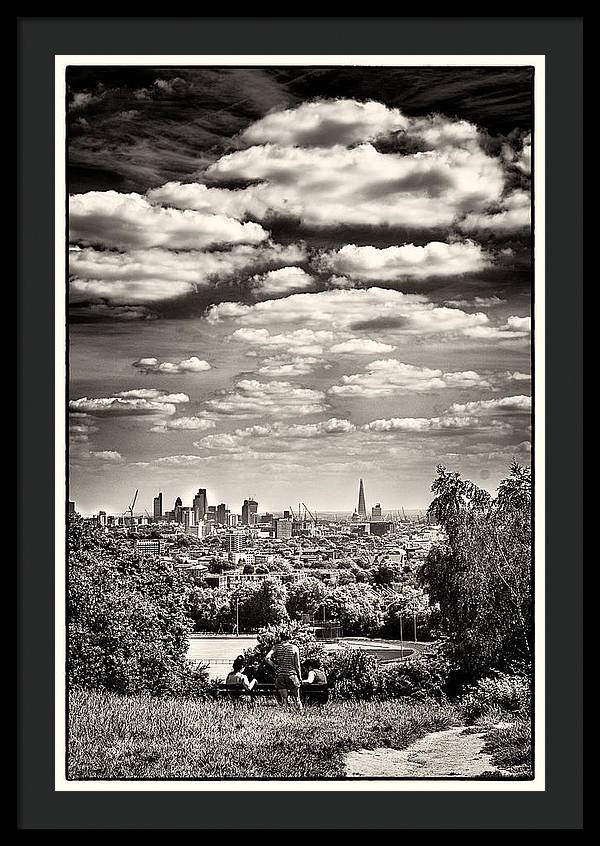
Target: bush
{"x": 354, "y": 674}
{"x": 127, "y": 619}
{"x": 497, "y": 692}
{"x": 425, "y": 678}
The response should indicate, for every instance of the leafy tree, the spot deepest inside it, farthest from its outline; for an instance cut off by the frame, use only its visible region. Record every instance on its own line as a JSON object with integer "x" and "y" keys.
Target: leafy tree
{"x": 481, "y": 577}
{"x": 305, "y": 597}
{"x": 127, "y": 618}
{"x": 356, "y": 608}
{"x": 514, "y": 493}
{"x": 454, "y": 496}
{"x": 210, "y": 609}
{"x": 259, "y": 603}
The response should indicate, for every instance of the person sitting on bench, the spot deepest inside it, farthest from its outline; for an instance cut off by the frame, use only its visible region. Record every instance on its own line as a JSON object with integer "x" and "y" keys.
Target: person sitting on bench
{"x": 316, "y": 674}
{"x": 237, "y": 678}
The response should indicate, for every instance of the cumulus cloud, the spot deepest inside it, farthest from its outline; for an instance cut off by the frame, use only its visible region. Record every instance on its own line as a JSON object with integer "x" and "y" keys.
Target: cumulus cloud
{"x": 251, "y": 398}
{"x": 502, "y": 415}
{"x": 512, "y": 214}
{"x": 154, "y": 275}
{"x": 300, "y": 342}
{"x": 188, "y": 365}
{"x": 129, "y": 221}
{"x": 184, "y": 424}
{"x": 386, "y": 189}
{"x": 325, "y": 124}
{"x": 370, "y": 308}
{"x": 520, "y": 404}
{"x": 361, "y": 346}
{"x": 134, "y": 403}
{"x": 406, "y": 262}
{"x": 282, "y": 366}
{"x": 283, "y": 281}
{"x": 232, "y": 441}
{"x": 387, "y": 377}
{"x": 515, "y": 328}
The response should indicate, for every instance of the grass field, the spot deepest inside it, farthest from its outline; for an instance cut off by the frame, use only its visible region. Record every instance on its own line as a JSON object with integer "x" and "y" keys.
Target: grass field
{"x": 113, "y": 736}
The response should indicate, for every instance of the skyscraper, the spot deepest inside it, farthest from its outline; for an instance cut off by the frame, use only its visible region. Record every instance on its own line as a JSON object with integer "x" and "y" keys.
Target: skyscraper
{"x": 249, "y": 512}
{"x": 200, "y": 505}
{"x": 376, "y": 512}
{"x": 362, "y": 508}
{"x": 222, "y": 514}
{"x": 177, "y": 510}
{"x": 158, "y": 512}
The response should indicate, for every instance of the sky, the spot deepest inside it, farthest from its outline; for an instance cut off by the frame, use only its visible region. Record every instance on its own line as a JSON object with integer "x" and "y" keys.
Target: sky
{"x": 285, "y": 279}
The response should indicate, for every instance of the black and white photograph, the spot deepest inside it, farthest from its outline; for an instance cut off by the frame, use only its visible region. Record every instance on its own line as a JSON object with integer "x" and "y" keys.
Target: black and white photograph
{"x": 301, "y": 409}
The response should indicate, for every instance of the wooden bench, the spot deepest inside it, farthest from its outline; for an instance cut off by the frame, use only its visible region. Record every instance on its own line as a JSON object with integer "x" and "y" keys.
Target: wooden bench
{"x": 309, "y": 693}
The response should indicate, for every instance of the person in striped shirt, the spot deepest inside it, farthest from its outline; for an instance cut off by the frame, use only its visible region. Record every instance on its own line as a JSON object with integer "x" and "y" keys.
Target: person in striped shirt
{"x": 284, "y": 658}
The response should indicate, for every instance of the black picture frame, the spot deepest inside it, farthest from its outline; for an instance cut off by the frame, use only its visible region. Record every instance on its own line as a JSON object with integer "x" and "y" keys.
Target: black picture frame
{"x": 560, "y": 40}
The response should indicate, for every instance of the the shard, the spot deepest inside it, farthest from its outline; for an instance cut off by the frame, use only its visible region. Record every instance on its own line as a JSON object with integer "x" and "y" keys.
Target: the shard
{"x": 362, "y": 508}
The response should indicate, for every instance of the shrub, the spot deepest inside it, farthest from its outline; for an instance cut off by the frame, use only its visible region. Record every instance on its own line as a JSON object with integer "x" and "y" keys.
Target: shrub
{"x": 497, "y": 692}
{"x": 417, "y": 679}
{"x": 354, "y": 674}
{"x": 127, "y": 619}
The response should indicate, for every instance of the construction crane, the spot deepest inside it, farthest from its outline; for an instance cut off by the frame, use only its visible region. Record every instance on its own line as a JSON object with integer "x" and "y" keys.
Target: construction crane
{"x": 307, "y": 510}
{"x": 132, "y": 506}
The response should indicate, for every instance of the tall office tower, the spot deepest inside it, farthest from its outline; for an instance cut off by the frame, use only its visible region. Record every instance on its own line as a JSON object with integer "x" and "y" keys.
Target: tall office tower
{"x": 199, "y": 505}
{"x": 71, "y": 507}
{"x": 249, "y": 512}
{"x": 222, "y": 514}
{"x": 211, "y": 514}
{"x": 376, "y": 512}
{"x": 186, "y": 517}
{"x": 177, "y": 510}
{"x": 362, "y": 508}
{"x": 158, "y": 512}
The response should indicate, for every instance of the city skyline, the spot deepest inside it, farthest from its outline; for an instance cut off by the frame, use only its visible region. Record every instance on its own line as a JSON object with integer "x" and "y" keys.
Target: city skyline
{"x": 283, "y": 279}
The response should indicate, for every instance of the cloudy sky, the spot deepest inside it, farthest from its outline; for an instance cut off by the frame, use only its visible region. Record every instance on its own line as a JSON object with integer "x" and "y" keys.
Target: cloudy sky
{"x": 284, "y": 279}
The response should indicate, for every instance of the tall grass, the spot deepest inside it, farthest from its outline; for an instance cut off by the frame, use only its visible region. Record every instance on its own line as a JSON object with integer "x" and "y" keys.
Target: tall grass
{"x": 140, "y": 737}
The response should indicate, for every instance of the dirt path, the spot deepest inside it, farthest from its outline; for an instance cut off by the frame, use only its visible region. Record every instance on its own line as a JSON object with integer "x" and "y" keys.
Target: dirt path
{"x": 437, "y": 755}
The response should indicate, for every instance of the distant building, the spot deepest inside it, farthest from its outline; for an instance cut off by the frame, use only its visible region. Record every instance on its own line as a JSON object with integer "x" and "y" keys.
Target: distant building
{"x": 376, "y": 512}
{"x": 71, "y": 507}
{"x": 249, "y": 512}
{"x": 149, "y": 547}
{"x": 283, "y": 528}
{"x": 211, "y": 514}
{"x": 102, "y": 518}
{"x": 380, "y": 528}
{"x": 362, "y": 508}
{"x": 222, "y": 514}
{"x": 177, "y": 509}
{"x": 200, "y": 505}
{"x": 158, "y": 509}
{"x": 234, "y": 542}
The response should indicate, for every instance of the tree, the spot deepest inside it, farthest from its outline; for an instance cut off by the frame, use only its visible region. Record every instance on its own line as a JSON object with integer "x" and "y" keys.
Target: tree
{"x": 210, "y": 609}
{"x": 259, "y": 604}
{"x": 305, "y": 597}
{"x": 481, "y": 577}
{"x": 127, "y": 617}
{"x": 514, "y": 493}
{"x": 357, "y": 609}
{"x": 454, "y": 496}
